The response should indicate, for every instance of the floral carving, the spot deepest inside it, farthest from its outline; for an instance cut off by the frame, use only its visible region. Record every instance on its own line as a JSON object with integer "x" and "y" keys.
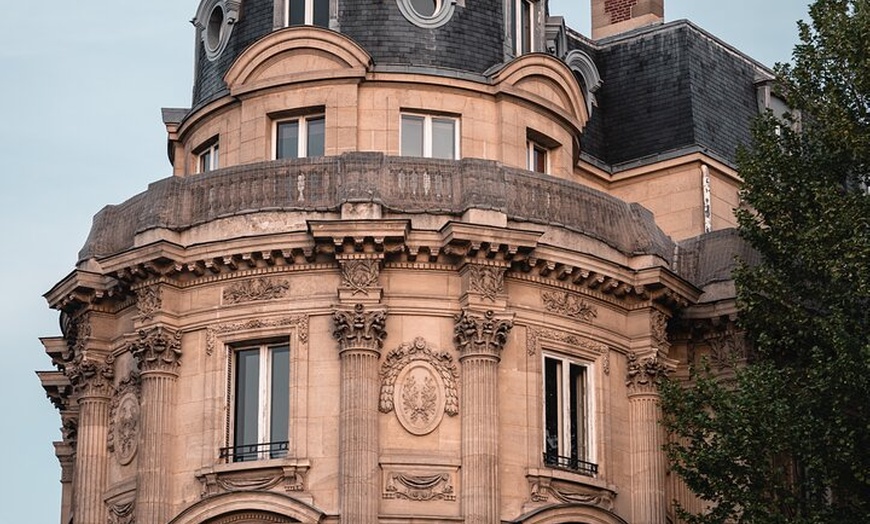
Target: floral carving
{"x": 212, "y": 333}
{"x": 123, "y": 435}
{"x": 486, "y": 280}
{"x": 157, "y": 349}
{"x": 360, "y": 329}
{"x": 569, "y": 305}
{"x": 534, "y": 336}
{"x": 419, "y": 487}
{"x": 360, "y": 275}
{"x": 419, "y": 350}
{"x": 728, "y": 350}
{"x": 659, "y": 329}
{"x": 476, "y": 334}
{"x": 644, "y": 375}
{"x": 90, "y": 377}
{"x": 544, "y": 490}
{"x": 418, "y": 400}
{"x": 290, "y": 476}
{"x": 255, "y": 290}
{"x": 149, "y": 300}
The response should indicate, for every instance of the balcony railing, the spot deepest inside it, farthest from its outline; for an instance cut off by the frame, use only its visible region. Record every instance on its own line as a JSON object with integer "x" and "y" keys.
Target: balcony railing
{"x": 571, "y": 464}
{"x": 250, "y": 452}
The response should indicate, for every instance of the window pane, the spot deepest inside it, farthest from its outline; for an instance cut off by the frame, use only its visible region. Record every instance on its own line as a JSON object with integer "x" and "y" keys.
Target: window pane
{"x": 443, "y": 138}
{"x": 316, "y": 136}
{"x": 539, "y": 159}
{"x": 526, "y": 26}
{"x": 247, "y": 404}
{"x": 205, "y": 162}
{"x": 297, "y": 12}
{"x": 412, "y": 135}
{"x": 512, "y": 16}
{"x": 215, "y": 158}
{"x": 287, "y": 140}
{"x": 425, "y": 8}
{"x": 551, "y": 409}
{"x": 279, "y": 418}
{"x": 577, "y": 414}
{"x": 321, "y": 13}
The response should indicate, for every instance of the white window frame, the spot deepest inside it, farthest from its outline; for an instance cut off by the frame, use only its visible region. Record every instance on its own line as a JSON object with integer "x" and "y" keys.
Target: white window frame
{"x": 264, "y": 406}
{"x": 531, "y": 147}
{"x": 309, "y": 13}
{"x": 302, "y": 146}
{"x": 564, "y": 436}
{"x": 427, "y": 132}
{"x": 208, "y": 159}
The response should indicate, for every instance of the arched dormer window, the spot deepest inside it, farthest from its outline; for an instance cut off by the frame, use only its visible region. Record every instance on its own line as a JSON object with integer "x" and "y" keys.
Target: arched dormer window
{"x": 582, "y": 64}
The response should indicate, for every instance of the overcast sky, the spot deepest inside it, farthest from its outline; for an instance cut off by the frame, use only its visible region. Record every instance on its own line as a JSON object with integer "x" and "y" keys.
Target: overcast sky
{"x": 81, "y": 87}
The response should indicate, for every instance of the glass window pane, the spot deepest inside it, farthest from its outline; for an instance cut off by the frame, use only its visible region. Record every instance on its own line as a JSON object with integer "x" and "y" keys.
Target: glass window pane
{"x": 296, "y": 12}
{"x": 205, "y": 162}
{"x": 539, "y": 159}
{"x": 279, "y": 418}
{"x": 577, "y": 413}
{"x": 287, "y": 140}
{"x": 425, "y": 8}
{"x": 321, "y": 13}
{"x": 316, "y": 136}
{"x": 412, "y": 135}
{"x": 215, "y": 158}
{"x": 247, "y": 404}
{"x": 551, "y": 410}
{"x": 443, "y": 138}
{"x": 526, "y": 26}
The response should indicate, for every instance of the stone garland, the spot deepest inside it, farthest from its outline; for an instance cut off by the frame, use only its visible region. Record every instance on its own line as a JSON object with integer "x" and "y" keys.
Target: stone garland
{"x": 300, "y": 322}
{"x": 258, "y": 289}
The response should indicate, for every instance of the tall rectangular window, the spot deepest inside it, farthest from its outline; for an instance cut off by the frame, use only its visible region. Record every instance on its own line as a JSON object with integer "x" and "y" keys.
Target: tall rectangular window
{"x": 300, "y": 137}
{"x": 208, "y": 159}
{"x": 522, "y": 16}
{"x": 261, "y": 411}
{"x": 539, "y": 160}
{"x": 566, "y": 427}
{"x": 430, "y": 136}
{"x": 307, "y": 12}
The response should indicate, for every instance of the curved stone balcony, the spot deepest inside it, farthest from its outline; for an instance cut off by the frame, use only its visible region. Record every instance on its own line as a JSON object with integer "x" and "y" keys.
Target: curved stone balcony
{"x": 399, "y": 184}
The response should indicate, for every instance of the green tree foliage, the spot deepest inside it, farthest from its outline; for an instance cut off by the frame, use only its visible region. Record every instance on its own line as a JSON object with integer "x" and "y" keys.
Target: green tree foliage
{"x": 786, "y": 439}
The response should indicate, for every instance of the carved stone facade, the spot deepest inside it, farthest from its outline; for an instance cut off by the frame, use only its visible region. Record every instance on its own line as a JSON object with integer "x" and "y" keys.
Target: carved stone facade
{"x": 256, "y": 289}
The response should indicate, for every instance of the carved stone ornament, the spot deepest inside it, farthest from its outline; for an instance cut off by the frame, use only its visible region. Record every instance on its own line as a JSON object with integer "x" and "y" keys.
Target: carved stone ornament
{"x": 569, "y": 305}
{"x": 475, "y": 334}
{"x": 69, "y": 429}
{"x": 486, "y": 280}
{"x": 300, "y": 322}
{"x": 157, "y": 349}
{"x": 644, "y": 375}
{"x": 420, "y": 384}
{"x": 257, "y": 289}
{"x": 123, "y": 438}
{"x": 359, "y": 329}
{"x": 534, "y": 336}
{"x": 290, "y": 477}
{"x": 90, "y": 377}
{"x": 728, "y": 350}
{"x": 548, "y": 490}
{"x": 419, "y": 487}
{"x": 659, "y": 329}
{"x": 149, "y": 300}
{"x": 360, "y": 275}
{"x": 122, "y": 513}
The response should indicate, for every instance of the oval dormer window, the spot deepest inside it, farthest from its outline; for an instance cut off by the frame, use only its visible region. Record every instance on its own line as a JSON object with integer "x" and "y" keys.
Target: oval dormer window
{"x": 427, "y": 13}
{"x": 215, "y": 20}
{"x": 214, "y": 30}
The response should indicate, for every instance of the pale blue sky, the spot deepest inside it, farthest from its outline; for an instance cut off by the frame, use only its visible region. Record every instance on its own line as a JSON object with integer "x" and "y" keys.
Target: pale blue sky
{"x": 81, "y": 87}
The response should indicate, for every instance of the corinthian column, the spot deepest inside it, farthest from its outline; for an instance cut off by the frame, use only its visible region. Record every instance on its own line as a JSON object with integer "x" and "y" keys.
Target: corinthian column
{"x": 360, "y": 336}
{"x": 93, "y": 383}
{"x": 158, "y": 354}
{"x": 647, "y": 459}
{"x": 480, "y": 340}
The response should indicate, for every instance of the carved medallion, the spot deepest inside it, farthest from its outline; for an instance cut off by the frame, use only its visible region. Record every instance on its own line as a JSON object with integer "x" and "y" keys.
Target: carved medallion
{"x": 257, "y": 289}
{"x": 123, "y": 438}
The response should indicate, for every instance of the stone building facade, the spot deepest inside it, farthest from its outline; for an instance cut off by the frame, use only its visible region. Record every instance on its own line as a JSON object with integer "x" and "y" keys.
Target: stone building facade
{"x": 420, "y": 261}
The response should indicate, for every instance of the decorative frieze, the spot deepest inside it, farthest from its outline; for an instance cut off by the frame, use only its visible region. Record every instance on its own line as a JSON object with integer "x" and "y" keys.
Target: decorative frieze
{"x": 420, "y": 488}
{"x": 535, "y": 336}
{"x": 488, "y": 281}
{"x": 289, "y": 477}
{"x": 299, "y": 322}
{"x": 157, "y": 349}
{"x": 123, "y": 439}
{"x": 359, "y": 329}
{"x": 481, "y": 334}
{"x": 360, "y": 275}
{"x": 549, "y": 490}
{"x": 420, "y": 383}
{"x": 149, "y": 300}
{"x": 122, "y": 513}
{"x": 644, "y": 375}
{"x": 569, "y": 305}
{"x": 257, "y": 289}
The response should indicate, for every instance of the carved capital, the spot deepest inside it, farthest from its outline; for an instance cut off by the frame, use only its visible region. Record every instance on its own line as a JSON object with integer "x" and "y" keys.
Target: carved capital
{"x": 487, "y": 334}
{"x": 360, "y": 329}
{"x": 91, "y": 378}
{"x": 644, "y": 375}
{"x": 157, "y": 349}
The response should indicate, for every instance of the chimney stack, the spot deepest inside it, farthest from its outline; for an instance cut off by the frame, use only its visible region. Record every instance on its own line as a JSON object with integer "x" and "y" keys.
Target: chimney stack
{"x": 610, "y": 17}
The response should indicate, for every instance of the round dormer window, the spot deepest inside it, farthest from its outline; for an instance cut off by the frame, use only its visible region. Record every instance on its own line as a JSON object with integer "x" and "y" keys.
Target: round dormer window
{"x": 215, "y": 20}
{"x": 214, "y": 30}
{"x": 427, "y": 13}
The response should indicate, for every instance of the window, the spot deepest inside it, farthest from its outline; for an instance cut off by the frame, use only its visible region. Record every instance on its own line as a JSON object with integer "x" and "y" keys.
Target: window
{"x": 539, "y": 157}
{"x": 261, "y": 410}
{"x": 307, "y": 12}
{"x": 428, "y": 14}
{"x": 430, "y": 136}
{"x": 522, "y": 26}
{"x": 208, "y": 159}
{"x": 566, "y": 416}
{"x": 300, "y": 137}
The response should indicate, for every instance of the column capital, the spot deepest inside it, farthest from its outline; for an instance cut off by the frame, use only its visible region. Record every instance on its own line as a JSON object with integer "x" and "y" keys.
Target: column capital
{"x": 157, "y": 349}
{"x": 644, "y": 374}
{"x": 91, "y": 378}
{"x": 359, "y": 328}
{"x": 481, "y": 335}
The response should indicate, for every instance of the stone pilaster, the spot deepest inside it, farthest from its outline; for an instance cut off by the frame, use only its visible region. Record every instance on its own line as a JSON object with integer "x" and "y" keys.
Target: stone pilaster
{"x": 648, "y": 480}
{"x": 92, "y": 383}
{"x": 480, "y": 340}
{"x": 158, "y": 354}
{"x": 360, "y": 334}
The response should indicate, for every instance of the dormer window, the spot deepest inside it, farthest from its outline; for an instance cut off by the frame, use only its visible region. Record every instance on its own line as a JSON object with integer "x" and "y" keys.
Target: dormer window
{"x": 306, "y": 12}
{"x": 522, "y": 16}
{"x": 214, "y": 21}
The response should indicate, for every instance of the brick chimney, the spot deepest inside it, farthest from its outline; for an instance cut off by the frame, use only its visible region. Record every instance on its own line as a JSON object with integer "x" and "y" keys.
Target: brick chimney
{"x": 610, "y": 17}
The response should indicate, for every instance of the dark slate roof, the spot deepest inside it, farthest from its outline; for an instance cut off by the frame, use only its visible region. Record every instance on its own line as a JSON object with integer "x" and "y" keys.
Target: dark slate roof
{"x": 712, "y": 257}
{"x": 668, "y": 89}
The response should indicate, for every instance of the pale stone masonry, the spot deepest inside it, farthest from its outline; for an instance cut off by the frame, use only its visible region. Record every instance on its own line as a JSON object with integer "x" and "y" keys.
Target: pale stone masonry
{"x": 417, "y": 263}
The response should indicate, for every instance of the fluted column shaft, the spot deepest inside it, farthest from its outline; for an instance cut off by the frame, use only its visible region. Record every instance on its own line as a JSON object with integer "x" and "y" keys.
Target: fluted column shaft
{"x": 158, "y": 399}
{"x": 92, "y": 458}
{"x": 480, "y": 484}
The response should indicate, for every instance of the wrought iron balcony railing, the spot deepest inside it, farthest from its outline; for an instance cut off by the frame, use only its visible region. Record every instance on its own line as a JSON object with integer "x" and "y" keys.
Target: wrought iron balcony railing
{"x": 250, "y": 452}
{"x": 571, "y": 464}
